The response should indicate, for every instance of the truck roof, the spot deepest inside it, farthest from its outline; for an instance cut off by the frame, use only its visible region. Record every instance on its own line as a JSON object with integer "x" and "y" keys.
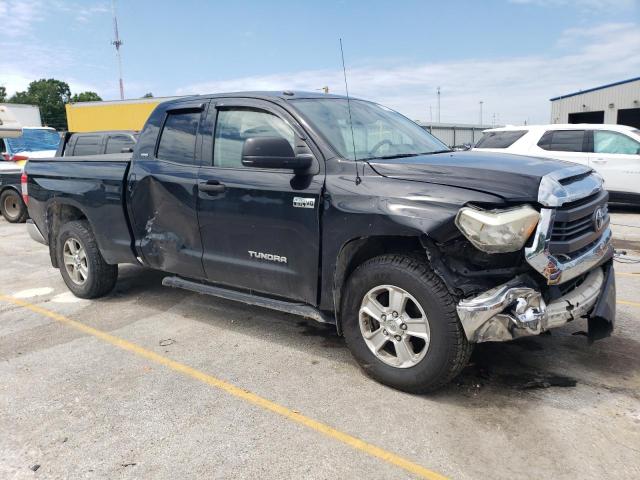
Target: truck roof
{"x": 268, "y": 95}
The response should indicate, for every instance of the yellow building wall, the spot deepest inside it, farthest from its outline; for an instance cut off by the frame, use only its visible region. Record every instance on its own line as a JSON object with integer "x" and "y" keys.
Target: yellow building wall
{"x": 108, "y": 116}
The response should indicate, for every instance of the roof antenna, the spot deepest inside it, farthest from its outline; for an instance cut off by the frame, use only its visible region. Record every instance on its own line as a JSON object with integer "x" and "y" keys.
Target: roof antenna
{"x": 353, "y": 141}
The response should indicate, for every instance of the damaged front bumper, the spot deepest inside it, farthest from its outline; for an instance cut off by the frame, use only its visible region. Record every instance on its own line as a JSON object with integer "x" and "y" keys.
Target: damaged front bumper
{"x": 514, "y": 309}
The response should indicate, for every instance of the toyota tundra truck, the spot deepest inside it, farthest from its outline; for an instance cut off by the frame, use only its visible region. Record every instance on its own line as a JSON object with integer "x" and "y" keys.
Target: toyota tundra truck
{"x": 342, "y": 211}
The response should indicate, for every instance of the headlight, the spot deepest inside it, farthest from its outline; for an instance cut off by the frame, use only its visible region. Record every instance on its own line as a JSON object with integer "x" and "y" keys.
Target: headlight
{"x": 497, "y": 231}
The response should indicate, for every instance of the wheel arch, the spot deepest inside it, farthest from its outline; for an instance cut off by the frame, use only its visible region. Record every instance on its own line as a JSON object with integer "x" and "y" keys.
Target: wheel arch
{"x": 358, "y": 250}
{"x": 10, "y": 187}
{"x": 59, "y": 213}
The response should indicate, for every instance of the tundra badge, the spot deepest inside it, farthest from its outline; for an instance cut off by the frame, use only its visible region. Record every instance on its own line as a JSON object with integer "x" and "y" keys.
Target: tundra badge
{"x": 267, "y": 256}
{"x": 302, "y": 202}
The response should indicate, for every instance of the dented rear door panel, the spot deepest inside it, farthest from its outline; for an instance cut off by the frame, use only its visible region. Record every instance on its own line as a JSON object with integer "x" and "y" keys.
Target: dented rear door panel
{"x": 164, "y": 216}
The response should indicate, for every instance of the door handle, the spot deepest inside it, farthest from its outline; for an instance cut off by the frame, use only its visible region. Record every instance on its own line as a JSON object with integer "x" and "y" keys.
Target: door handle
{"x": 599, "y": 160}
{"x": 211, "y": 186}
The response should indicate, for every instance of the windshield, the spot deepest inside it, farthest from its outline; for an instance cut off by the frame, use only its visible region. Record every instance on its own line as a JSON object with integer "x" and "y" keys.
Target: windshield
{"x": 33, "y": 140}
{"x": 378, "y": 132}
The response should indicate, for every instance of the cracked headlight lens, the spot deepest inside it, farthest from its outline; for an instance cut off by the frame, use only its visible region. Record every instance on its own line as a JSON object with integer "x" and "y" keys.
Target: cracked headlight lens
{"x": 497, "y": 231}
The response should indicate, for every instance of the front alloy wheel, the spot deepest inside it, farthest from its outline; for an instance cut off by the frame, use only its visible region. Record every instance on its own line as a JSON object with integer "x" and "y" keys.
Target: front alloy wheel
{"x": 401, "y": 325}
{"x": 394, "y": 326}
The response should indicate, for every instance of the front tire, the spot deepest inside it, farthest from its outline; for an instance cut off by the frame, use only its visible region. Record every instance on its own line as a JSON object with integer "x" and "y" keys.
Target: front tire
{"x": 401, "y": 324}
{"x": 82, "y": 266}
{"x": 13, "y": 208}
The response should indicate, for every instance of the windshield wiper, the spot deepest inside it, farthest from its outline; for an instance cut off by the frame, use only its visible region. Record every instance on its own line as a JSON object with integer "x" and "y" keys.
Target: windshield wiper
{"x": 437, "y": 151}
{"x": 402, "y": 155}
{"x": 387, "y": 157}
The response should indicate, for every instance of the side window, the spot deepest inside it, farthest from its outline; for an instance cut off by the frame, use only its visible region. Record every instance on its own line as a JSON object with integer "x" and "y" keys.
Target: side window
{"x": 563, "y": 141}
{"x": 614, "y": 142}
{"x": 178, "y": 137}
{"x": 116, "y": 143}
{"x": 500, "y": 139}
{"x": 87, "y": 145}
{"x": 234, "y": 126}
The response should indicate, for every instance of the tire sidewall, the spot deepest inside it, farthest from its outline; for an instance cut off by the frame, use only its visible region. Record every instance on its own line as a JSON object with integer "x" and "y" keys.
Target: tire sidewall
{"x": 77, "y": 231}
{"x": 436, "y": 361}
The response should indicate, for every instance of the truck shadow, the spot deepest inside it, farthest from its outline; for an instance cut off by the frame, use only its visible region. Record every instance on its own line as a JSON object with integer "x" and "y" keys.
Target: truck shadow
{"x": 563, "y": 359}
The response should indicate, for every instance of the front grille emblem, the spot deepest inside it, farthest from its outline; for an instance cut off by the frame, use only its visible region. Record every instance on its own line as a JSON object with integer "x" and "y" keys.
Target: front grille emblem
{"x": 598, "y": 219}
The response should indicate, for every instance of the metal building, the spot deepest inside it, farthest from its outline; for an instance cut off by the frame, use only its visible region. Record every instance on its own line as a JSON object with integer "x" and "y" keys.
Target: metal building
{"x": 617, "y": 103}
{"x": 455, "y": 135}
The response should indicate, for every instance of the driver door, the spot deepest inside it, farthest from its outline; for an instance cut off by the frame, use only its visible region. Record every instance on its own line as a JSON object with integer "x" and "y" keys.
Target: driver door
{"x": 260, "y": 228}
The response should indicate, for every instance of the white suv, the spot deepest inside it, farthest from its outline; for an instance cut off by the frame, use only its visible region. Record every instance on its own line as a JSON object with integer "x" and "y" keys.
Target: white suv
{"x": 611, "y": 150}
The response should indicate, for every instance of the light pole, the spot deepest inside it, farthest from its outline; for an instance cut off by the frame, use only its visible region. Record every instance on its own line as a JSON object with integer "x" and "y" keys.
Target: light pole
{"x": 117, "y": 43}
{"x": 438, "y": 92}
{"x": 481, "y": 102}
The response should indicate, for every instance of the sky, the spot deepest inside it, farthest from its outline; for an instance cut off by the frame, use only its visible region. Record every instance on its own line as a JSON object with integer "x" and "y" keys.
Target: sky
{"x": 513, "y": 55}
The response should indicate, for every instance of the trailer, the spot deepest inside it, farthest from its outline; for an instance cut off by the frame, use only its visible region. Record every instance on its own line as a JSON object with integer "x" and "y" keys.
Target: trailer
{"x": 26, "y": 115}
{"x": 111, "y": 115}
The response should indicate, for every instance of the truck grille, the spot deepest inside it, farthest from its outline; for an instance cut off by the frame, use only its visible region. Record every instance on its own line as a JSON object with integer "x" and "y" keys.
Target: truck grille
{"x": 575, "y": 225}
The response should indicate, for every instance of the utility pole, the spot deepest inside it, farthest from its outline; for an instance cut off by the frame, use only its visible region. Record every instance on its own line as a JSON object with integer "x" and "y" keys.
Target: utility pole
{"x": 117, "y": 43}
{"x": 481, "y": 102}
{"x": 438, "y": 92}
{"x": 430, "y": 114}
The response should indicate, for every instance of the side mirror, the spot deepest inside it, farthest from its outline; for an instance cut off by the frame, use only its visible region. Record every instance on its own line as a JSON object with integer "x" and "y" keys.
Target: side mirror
{"x": 127, "y": 150}
{"x": 273, "y": 152}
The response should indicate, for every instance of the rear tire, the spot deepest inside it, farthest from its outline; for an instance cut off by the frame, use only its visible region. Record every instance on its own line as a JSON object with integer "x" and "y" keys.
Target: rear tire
{"x": 81, "y": 264}
{"x": 13, "y": 208}
{"x": 417, "y": 343}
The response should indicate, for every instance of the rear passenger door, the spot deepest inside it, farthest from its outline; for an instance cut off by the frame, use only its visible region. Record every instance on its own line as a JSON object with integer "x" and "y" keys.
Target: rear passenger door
{"x": 569, "y": 145}
{"x": 260, "y": 228}
{"x": 163, "y": 191}
{"x": 617, "y": 158}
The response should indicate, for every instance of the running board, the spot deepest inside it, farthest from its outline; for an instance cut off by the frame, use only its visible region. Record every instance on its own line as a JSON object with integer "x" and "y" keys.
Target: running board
{"x": 299, "y": 309}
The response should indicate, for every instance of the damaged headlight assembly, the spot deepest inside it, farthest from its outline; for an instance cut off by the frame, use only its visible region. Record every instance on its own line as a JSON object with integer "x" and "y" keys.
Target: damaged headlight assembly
{"x": 497, "y": 231}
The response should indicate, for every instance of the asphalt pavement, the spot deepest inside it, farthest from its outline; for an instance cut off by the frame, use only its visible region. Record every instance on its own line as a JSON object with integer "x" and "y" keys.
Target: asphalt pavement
{"x": 151, "y": 382}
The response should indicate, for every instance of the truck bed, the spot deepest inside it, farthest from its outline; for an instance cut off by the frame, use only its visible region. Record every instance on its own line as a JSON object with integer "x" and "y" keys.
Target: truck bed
{"x": 93, "y": 186}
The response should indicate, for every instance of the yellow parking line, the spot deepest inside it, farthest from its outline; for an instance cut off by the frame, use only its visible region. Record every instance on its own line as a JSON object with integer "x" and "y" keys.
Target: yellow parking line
{"x": 627, "y": 302}
{"x": 238, "y": 392}
{"x": 625, "y": 274}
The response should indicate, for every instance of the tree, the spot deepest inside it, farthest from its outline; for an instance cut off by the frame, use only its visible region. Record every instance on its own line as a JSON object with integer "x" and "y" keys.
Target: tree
{"x": 85, "y": 97}
{"x": 50, "y": 95}
{"x": 3, "y": 94}
{"x": 148, "y": 95}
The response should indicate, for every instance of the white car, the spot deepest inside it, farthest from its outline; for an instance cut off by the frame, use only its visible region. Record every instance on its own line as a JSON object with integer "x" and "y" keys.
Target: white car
{"x": 611, "y": 150}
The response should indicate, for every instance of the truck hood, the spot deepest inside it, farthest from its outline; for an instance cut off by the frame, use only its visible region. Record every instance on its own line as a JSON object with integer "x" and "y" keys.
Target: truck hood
{"x": 512, "y": 177}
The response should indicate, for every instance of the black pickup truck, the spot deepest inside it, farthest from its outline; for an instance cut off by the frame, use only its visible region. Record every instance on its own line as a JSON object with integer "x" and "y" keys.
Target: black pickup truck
{"x": 342, "y": 211}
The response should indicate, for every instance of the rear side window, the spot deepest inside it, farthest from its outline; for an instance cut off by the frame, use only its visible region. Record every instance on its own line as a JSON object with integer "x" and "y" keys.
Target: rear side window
{"x": 563, "y": 141}
{"x": 87, "y": 145}
{"x": 614, "y": 142}
{"x": 500, "y": 139}
{"x": 178, "y": 138}
{"x": 116, "y": 143}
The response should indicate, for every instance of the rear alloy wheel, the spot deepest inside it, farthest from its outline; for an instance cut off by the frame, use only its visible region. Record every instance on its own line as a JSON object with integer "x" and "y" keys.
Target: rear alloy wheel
{"x": 75, "y": 261}
{"x": 81, "y": 264}
{"x": 13, "y": 208}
